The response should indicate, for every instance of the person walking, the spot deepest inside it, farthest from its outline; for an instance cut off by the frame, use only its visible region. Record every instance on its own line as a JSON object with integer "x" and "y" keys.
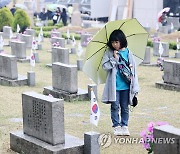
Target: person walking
{"x": 117, "y": 91}
{"x": 64, "y": 17}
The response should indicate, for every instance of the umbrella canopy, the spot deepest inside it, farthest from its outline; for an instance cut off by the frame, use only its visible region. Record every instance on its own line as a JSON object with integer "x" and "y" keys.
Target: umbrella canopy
{"x": 21, "y": 6}
{"x": 136, "y": 36}
{"x": 53, "y": 7}
{"x": 4, "y": 3}
{"x": 166, "y": 9}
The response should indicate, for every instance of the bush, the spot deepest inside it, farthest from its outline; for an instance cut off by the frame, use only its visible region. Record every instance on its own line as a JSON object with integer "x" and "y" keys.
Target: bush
{"x": 6, "y": 18}
{"x": 21, "y": 18}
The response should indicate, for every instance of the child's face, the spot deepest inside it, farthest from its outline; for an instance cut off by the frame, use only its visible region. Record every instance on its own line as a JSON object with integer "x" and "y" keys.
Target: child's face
{"x": 116, "y": 45}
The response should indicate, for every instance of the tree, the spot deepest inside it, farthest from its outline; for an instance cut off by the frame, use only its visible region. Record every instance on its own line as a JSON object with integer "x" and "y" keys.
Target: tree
{"x": 21, "y": 18}
{"x": 6, "y": 18}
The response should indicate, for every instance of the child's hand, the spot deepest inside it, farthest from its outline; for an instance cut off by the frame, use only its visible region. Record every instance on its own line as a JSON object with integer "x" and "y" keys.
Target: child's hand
{"x": 115, "y": 54}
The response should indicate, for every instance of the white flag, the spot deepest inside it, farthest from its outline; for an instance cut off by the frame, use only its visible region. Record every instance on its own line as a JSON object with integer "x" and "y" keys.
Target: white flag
{"x": 34, "y": 44}
{"x": 68, "y": 34}
{"x": 18, "y": 28}
{"x": 1, "y": 43}
{"x": 95, "y": 112}
{"x": 11, "y": 33}
{"x": 41, "y": 32}
{"x": 39, "y": 38}
{"x": 32, "y": 59}
{"x": 73, "y": 41}
{"x": 172, "y": 26}
{"x": 80, "y": 50}
{"x": 160, "y": 49}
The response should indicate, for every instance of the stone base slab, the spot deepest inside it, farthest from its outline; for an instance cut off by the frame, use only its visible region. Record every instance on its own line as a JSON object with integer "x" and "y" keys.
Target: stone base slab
{"x": 81, "y": 95}
{"x": 20, "y": 81}
{"x": 167, "y": 86}
{"x": 22, "y": 143}
{"x": 151, "y": 64}
{"x": 49, "y": 65}
{"x": 27, "y": 60}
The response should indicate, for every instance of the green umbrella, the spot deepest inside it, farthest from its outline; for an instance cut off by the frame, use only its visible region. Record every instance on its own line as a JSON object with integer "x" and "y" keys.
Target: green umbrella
{"x": 136, "y": 36}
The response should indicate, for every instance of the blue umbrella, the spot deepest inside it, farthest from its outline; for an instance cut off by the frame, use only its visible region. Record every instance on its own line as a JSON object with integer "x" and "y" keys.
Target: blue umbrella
{"x": 4, "y": 3}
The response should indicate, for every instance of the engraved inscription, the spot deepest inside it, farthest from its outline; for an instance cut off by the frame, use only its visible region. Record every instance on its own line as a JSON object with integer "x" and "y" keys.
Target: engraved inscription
{"x": 37, "y": 119}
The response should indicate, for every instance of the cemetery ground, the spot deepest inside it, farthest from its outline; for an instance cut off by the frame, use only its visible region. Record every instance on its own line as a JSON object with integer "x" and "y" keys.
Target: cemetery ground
{"x": 154, "y": 104}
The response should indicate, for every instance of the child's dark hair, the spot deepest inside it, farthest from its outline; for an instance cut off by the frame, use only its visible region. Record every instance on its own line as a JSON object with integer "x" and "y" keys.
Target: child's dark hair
{"x": 117, "y": 35}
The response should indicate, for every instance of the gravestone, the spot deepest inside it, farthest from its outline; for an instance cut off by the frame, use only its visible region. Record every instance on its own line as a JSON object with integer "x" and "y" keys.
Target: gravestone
{"x": 55, "y": 34}
{"x": 7, "y": 32}
{"x": 164, "y": 29}
{"x": 27, "y": 39}
{"x": 18, "y": 49}
{"x": 165, "y": 49}
{"x": 59, "y": 54}
{"x": 147, "y": 56}
{"x": 80, "y": 63}
{"x": 58, "y": 40}
{"x": 43, "y": 128}
{"x": 64, "y": 83}
{"x": 76, "y": 15}
{"x": 171, "y": 77}
{"x": 91, "y": 144}
{"x": 9, "y": 73}
{"x": 168, "y": 138}
{"x": 31, "y": 32}
{"x": 174, "y": 21}
{"x": 85, "y": 39}
{"x": 94, "y": 88}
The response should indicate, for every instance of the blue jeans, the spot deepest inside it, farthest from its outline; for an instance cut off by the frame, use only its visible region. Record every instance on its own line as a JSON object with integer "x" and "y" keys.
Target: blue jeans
{"x": 121, "y": 104}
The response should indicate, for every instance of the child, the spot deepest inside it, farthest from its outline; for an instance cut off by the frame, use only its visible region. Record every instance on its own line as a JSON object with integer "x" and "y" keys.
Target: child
{"x": 117, "y": 91}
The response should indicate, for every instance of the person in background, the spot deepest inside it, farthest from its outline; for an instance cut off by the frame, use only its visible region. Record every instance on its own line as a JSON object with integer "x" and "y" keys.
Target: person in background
{"x": 64, "y": 17}
{"x": 43, "y": 16}
{"x": 13, "y": 10}
{"x": 70, "y": 11}
{"x": 57, "y": 16}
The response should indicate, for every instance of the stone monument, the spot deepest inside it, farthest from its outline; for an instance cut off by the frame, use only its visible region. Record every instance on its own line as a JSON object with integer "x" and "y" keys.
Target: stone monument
{"x": 65, "y": 83}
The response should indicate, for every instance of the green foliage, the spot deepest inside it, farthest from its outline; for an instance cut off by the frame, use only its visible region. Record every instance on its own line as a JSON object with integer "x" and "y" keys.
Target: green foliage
{"x": 21, "y": 18}
{"x": 149, "y": 43}
{"x": 76, "y": 36}
{"x": 6, "y": 18}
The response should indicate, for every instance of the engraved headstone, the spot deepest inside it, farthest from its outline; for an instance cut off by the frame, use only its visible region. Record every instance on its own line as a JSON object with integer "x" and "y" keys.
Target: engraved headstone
{"x": 165, "y": 49}
{"x": 147, "y": 56}
{"x": 58, "y": 41}
{"x": 27, "y": 39}
{"x": 167, "y": 140}
{"x": 8, "y": 66}
{"x": 56, "y": 34}
{"x": 43, "y": 128}
{"x": 172, "y": 72}
{"x": 31, "y": 32}
{"x": 64, "y": 77}
{"x": 85, "y": 39}
{"x": 60, "y": 55}
{"x": 6, "y": 32}
{"x": 18, "y": 49}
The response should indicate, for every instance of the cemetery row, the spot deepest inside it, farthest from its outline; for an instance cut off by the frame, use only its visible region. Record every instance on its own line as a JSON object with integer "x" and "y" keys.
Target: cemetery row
{"x": 43, "y": 116}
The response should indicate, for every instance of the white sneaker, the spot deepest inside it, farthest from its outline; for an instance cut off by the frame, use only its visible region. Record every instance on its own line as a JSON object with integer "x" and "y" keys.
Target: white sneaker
{"x": 125, "y": 131}
{"x": 117, "y": 130}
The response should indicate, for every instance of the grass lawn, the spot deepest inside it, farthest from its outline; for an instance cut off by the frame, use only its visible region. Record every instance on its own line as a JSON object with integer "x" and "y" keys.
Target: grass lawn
{"x": 154, "y": 104}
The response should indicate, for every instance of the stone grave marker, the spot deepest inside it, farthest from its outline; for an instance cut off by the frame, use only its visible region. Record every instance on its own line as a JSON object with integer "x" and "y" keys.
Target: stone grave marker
{"x": 65, "y": 83}
{"x": 7, "y": 32}
{"x": 167, "y": 138}
{"x": 147, "y": 56}
{"x": 58, "y": 41}
{"x": 56, "y": 34}
{"x": 171, "y": 77}
{"x": 18, "y": 49}
{"x": 165, "y": 49}
{"x": 27, "y": 39}
{"x": 43, "y": 127}
{"x": 9, "y": 73}
{"x": 85, "y": 38}
{"x": 31, "y": 32}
